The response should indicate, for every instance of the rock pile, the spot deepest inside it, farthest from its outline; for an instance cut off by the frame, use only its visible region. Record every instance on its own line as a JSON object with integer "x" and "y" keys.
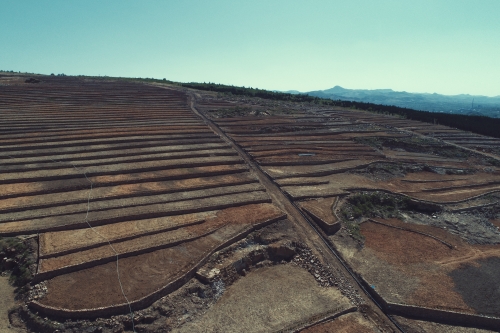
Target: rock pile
{"x": 37, "y": 291}
{"x": 325, "y": 275}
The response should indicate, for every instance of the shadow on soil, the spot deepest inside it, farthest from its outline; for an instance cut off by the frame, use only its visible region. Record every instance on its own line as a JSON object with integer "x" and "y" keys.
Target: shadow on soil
{"x": 478, "y": 285}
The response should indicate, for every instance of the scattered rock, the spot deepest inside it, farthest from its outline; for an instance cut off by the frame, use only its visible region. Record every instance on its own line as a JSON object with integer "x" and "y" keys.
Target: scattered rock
{"x": 32, "y": 80}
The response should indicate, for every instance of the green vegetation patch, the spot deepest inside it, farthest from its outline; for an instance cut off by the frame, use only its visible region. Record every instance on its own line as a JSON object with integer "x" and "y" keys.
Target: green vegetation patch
{"x": 354, "y": 231}
{"x": 375, "y": 204}
{"x": 16, "y": 256}
{"x": 383, "y": 205}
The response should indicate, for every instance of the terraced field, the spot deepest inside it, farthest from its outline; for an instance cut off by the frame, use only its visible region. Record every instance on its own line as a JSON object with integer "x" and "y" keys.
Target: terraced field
{"x": 157, "y": 208}
{"x": 313, "y": 155}
{"x": 344, "y": 166}
{"x": 447, "y": 134}
{"x": 108, "y": 170}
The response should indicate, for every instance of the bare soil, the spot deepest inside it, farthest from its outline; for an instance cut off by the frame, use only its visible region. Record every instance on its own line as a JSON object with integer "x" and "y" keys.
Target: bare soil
{"x": 478, "y": 284}
{"x": 420, "y": 185}
{"x": 78, "y": 220}
{"x": 322, "y": 208}
{"x": 44, "y": 187}
{"x": 101, "y": 205}
{"x": 53, "y": 243}
{"x": 143, "y": 274}
{"x": 126, "y": 190}
{"x": 152, "y": 158}
{"x": 6, "y": 303}
{"x": 263, "y": 213}
{"x": 411, "y": 268}
{"x": 268, "y": 299}
{"x": 140, "y": 275}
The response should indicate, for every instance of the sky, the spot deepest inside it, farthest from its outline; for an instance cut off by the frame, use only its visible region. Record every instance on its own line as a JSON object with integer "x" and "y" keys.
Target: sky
{"x": 433, "y": 46}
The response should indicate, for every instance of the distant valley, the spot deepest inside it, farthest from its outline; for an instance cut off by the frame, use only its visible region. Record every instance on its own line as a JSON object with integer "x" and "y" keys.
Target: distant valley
{"x": 460, "y": 104}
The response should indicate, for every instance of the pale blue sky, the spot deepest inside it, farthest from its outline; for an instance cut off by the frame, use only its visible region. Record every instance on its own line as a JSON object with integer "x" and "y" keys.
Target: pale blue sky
{"x": 443, "y": 46}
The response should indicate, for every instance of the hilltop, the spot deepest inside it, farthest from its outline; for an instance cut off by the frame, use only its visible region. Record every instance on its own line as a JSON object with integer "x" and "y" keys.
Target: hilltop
{"x": 149, "y": 205}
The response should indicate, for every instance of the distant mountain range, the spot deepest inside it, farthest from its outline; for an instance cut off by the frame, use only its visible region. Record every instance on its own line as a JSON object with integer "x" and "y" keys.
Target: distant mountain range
{"x": 461, "y": 104}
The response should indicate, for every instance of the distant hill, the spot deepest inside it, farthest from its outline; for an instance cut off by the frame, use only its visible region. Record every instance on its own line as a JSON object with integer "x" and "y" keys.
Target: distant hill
{"x": 459, "y": 104}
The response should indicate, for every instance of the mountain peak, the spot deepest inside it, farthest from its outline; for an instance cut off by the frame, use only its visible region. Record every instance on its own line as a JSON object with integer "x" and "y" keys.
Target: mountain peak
{"x": 489, "y": 106}
{"x": 335, "y": 89}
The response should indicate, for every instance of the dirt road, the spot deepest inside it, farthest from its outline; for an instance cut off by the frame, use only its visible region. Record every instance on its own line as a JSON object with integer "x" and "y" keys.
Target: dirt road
{"x": 311, "y": 237}
{"x": 6, "y": 302}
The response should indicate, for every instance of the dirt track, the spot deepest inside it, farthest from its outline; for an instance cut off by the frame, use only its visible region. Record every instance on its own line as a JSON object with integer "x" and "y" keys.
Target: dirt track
{"x": 6, "y": 303}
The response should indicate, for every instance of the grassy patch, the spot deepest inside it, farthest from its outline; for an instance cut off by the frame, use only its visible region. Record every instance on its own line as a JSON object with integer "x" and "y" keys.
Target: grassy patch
{"x": 354, "y": 231}
{"x": 374, "y": 205}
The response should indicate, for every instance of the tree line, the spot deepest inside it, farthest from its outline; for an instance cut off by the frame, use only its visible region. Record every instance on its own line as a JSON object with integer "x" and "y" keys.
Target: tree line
{"x": 477, "y": 124}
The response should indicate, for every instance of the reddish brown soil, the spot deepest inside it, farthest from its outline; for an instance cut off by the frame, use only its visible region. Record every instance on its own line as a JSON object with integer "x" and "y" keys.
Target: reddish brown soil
{"x": 173, "y": 173}
{"x": 71, "y": 172}
{"x": 55, "y": 242}
{"x": 79, "y": 220}
{"x": 140, "y": 275}
{"x": 421, "y": 185}
{"x": 437, "y": 290}
{"x": 308, "y": 170}
{"x": 148, "y": 199}
{"x": 162, "y": 239}
{"x": 410, "y": 247}
{"x": 149, "y": 160}
{"x": 145, "y": 273}
{"x": 322, "y": 208}
{"x": 427, "y": 259}
{"x": 133, "y": 141}
{"x": 276, "y": 141}
{"x": 297, "y": 149}
{"x": 263, "y": 212}
{"x": 127, "y": 190}
{"x": 291, "y": 156}
{"x": 450, "y": 195}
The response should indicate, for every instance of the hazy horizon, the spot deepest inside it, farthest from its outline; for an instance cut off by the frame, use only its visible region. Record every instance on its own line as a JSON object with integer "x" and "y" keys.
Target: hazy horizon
{"x": 443, "y": 46}
{"x": 394, "y": 90}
